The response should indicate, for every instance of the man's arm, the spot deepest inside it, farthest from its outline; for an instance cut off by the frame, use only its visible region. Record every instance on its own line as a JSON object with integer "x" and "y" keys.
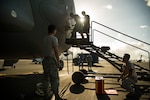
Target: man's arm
{"x": 56, "y": 50}
{"x": 123, "y": 73}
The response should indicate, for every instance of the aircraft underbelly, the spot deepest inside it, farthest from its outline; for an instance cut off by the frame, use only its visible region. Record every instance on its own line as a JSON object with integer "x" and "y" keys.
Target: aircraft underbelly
{"x": 20, "y": 46}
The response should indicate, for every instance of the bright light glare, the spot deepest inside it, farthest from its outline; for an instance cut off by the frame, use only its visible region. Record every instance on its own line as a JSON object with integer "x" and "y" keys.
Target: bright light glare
{"x": 82, "y": 19}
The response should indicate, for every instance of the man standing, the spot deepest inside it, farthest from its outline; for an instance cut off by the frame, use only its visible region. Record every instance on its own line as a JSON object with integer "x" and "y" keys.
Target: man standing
{"x": 70, "y": 25}
{"x": 78, "y": 26}
{"x": 51, "y": 63}
{"x": 81, "y": 60}
{"x": 86, "y": 24}
{"x": 128, "y": 76}
{"x": 89, "y": 59}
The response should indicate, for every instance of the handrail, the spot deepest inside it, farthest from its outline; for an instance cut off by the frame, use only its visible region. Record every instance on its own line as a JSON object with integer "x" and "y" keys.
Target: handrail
{"x": 117, "y": 32}
{"x": 125, "y": 43}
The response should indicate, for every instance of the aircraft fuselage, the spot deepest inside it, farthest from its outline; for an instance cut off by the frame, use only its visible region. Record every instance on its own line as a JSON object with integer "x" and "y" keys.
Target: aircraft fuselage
{"x": 24, "y": 23}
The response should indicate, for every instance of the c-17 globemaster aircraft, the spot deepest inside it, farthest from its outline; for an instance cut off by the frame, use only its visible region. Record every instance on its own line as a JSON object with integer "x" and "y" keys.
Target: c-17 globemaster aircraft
{"x": 24, "y": 23}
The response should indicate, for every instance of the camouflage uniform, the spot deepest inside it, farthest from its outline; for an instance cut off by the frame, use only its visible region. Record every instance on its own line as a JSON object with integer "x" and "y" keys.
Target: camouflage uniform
{"x": 50, "y": 75}
{"x": 50, "y": 67}
{"x": 130, "y": 81}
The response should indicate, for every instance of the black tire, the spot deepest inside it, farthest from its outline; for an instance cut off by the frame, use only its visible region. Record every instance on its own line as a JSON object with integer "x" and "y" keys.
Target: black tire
{"x": 78, "y": 77}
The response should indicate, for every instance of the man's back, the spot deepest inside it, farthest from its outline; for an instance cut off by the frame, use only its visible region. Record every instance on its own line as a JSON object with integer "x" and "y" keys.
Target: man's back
{"x": 50, "y": 42}
{"x": 89, "y": 58}
{"x": 87, "y": 20}
{"x": 131, "y": 70}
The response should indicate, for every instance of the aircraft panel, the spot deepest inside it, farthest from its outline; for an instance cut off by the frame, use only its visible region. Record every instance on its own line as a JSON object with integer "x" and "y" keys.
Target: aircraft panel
{"x": 16, "y": 15}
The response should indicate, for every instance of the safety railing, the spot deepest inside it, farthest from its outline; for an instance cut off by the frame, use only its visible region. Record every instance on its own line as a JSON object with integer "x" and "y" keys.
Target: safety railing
{"x": 92, "y": 37}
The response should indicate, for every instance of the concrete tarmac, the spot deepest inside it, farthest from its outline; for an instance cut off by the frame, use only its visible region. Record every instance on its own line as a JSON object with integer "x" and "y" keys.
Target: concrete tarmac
{"x": 20, "y": 83}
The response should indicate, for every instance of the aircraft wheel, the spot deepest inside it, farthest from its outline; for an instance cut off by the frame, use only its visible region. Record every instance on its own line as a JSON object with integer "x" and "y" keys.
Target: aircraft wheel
{"x": 78, "y": 77}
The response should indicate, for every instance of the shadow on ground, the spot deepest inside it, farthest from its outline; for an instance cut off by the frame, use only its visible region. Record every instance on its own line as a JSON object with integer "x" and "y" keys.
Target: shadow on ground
{"x": 20, "y": 87}
{"x": 78, "y": 88}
